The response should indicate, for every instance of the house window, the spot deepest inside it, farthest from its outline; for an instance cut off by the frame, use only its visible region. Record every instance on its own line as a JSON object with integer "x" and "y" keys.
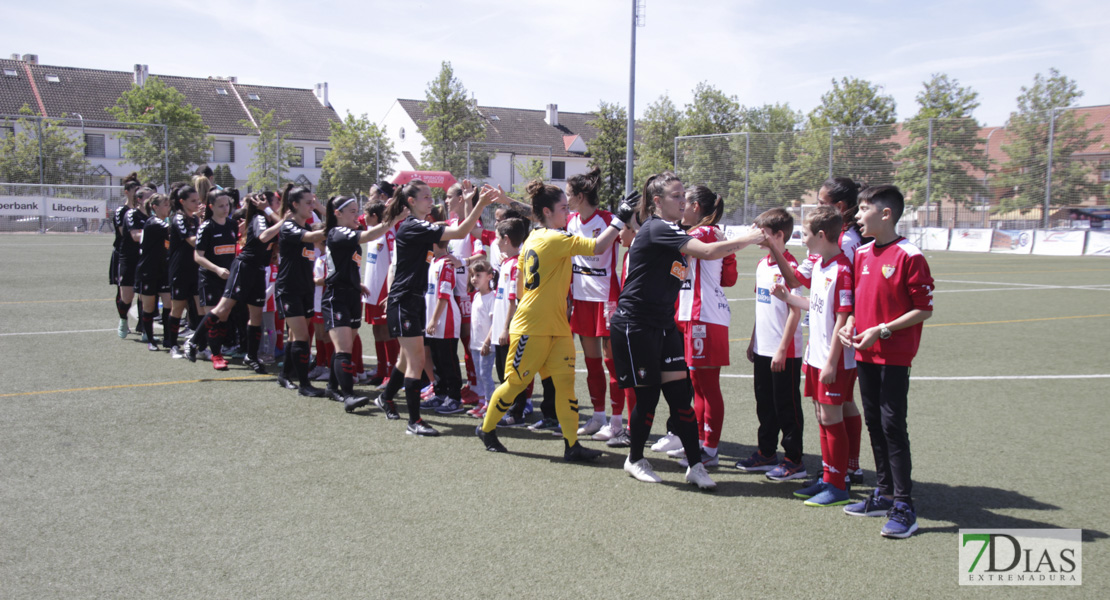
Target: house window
{"x": 252, "y": 96}
{"x": 401, "y": 133}
{"x": 6, "y": 132}
{"x": 223, "y": 151}
{"x": 1105, "y": 174}
{"x": 221, "y": 92}
{"x": 11, "y": 73}
{"x": 296, "y": 157}
{"x": 320, "y": 152}
{"x": 481, "y": 167}
{"x": 94, "y": 145}
{"x": 53, "y": 79}
{"x": 559, "y": 170}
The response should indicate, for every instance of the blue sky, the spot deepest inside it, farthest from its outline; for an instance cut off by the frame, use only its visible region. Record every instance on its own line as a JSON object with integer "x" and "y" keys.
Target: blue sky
{"x": 528, "y": 53}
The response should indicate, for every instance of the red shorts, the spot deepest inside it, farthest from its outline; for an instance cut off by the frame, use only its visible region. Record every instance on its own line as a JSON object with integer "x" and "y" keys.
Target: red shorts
{"x": 374, "y": 314}
{"x": 587, "y": 319}
{"x": 836, "y": 393}
{"x": 706, "y": 344}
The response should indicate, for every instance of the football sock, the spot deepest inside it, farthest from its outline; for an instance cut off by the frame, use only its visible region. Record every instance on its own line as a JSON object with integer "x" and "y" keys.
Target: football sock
{"x": 344, "y": 370}
{"x": 412, "y": 397}
{"x": 712, "y": 415}
{"x": 639, "y": 424}
{"x": 122, "y": 307}
{"x": 566, "y": 407}
{"x": 615, "y": 392}
{"x": 396, "y": 382}
{"x": 172, "y": 326}
{"x": 853, "y": 426}
{"x": 299, "y": 358}
{"x": 677, "y": 395}
{"x": 825, "y": 454}
{"x": 254, "y": 340}
{"x": 595, "y": 382}
{"x": 148, "y": 325}
{"x": 838, "y": 451}
{"x": 380, "y": 356}
{"x": 356, "y": 355}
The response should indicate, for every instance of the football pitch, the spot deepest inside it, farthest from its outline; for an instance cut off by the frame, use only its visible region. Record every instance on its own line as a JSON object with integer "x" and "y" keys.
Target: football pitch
{"x": 126, "y": 474}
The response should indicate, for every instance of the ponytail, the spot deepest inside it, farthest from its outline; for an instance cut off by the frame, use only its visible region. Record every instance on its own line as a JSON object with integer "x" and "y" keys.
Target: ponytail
{"x": 656, "y": 185}
{"x": 334, "y": 205}
{"x": 154, "y": 200}
{"x": 542, "y": 195}
{"x": 844, "y": 190}
{"x": 586, "y": 184}
{"x": 291, "y": 194}
{"x": 711, "y": 207}
{"x": 402, "y": 195}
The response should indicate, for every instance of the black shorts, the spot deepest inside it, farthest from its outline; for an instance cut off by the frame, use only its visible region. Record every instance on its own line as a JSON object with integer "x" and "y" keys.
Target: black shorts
{"x": 183, "y": 285}
{"x": 406, "y": 317}
{"x": 113, "y": 268}
{"x": 210, "y": 289}
{"x": 151, "y": 283}
{"x": 641, "y": 353}
{"x": 340, "y": 308}
{"x": 125, "y": 270}
{"x": 293, "y": 304}
{"x": 246, "y": 284}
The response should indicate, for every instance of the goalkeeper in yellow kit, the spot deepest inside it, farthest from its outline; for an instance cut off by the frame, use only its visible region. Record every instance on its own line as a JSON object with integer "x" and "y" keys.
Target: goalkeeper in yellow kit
{"x": 540, "y": 340}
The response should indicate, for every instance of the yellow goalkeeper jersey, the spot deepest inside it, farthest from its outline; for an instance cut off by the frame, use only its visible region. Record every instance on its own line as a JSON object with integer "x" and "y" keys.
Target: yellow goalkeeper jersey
{"x": 544, "y": 275}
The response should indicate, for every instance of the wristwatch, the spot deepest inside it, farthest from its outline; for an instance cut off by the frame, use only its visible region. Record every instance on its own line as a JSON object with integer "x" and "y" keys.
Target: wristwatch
{"x": 884, "y": 332}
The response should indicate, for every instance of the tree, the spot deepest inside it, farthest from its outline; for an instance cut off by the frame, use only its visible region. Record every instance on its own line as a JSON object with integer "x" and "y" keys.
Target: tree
{"x": 772, "y": 129}
{"x": 271, "y": 152}
{"x": 711, "y": 111}
{"x": 607, "y": 150}
{"x": 62, "y": 152}
{"x": 709, "y": 161}
{"x": 155, "y": 103}
{"x": 451, "y": 122}
{"x": 527, "y": 171}
{"x": 959, "y": 160}
{"x": 361, "y": 153}
{"x": 1024, "y": 176}
{"x": 222, "y": 175}
{"x": 655, "y": 147}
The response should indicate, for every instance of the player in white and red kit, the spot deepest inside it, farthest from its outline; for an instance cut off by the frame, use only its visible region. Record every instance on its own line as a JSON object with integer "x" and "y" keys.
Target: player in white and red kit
{"x": 460, "y": 199}
{"x": 704, "y": 313}
{"x": 894, "y": 295}
{"x": 375, "y": 277}
{"x": 594, "y": 293}
{"x": 444, "y": 322}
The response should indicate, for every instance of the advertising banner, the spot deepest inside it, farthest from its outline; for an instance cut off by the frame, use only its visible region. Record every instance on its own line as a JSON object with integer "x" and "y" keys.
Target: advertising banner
{"x": 76, "y": 209}
{"x": 22, "y": 206}
{"x": 1059, "y": 243}
{"x": 971, "y": 240}
{"x": 1012, "y": 241}
{"x": 1098, "y": 243}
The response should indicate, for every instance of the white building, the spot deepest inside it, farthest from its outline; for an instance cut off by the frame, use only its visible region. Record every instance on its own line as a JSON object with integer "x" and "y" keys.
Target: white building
{"x": 514, "y": 136}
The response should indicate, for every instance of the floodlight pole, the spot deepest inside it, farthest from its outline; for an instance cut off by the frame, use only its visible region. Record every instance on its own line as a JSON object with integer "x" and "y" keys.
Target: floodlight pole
{"x": 1048, "y": 169}
{"x": 629, "y": 139}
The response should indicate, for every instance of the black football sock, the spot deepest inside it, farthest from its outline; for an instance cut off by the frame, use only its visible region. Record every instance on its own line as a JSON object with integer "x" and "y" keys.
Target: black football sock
{"x": 172, "y": 326}
{"x": 122, "y": 307}
{"x": 254, "y": 340}
{"x": 288, "y": 366}
{"x": 547, "y": 407}
{"x": 344, "y": 371}
{"x": 396, "y": 382}
{"x": 643, "y": 415}
{"x": 165, "y": 318}
{"x": 148, "y": 325}
{"x": 300, "y": 353}
{"x": 412, "y": 398}
{"x": 677, "y": 395}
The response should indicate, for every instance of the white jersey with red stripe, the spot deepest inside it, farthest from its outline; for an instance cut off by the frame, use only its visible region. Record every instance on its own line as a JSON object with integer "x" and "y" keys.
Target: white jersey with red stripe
{"x": 463, "y": 249}
{"x": 702, "y": 297}
{"x": 849, "y": 241}
{"x": 319, "y": 271}
{"x": 271, "y": 284}
{"x": 441, "y": 286}
{"x": 506, "y": 293}
{"x": 770, "y": 312}
{"x": 830, "y": 293}
{"x": 595, "y": 277}
{"x": 379, "y": 255}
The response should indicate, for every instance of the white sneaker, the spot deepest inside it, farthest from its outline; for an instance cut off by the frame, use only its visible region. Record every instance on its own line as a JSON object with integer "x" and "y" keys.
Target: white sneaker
{"x": 607, "y": 433}
{"x": 324, "y": 375}
{"x": 176, "y": 352}
{"x": 206, "y": 354}
{"x": 697, "y": 476}
{"x": 680, "y": 452}
{"x": 667, "y": 442}
{"x": 592, "y": 426}
{"x": 363, "y": 377}
{"x": 642, "y": 471}
{"x": 316, "y": 372}
{"x": 708, "y": 461}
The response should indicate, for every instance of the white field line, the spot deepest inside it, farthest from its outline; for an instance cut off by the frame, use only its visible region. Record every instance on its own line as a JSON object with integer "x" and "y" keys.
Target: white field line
{"x": 55, "y": 332}
{"x": 967, "y": 378}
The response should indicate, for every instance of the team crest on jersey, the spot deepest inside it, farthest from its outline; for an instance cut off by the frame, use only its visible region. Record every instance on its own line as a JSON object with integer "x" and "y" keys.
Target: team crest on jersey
{"x": 597, "y": 232}
{"x": 888, "y": 270}
{"x": 407, "y": 324}
{"x": 678, "y": 270}
{"x": 642, "y": 373}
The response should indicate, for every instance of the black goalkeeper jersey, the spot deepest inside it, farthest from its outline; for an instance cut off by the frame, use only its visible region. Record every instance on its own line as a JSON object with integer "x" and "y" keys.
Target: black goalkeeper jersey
{"x": 656, "y": 270}
{"x": 181, "y": 251}
{"x": 413, "y": 251}
{"x": 344, "y": 256}
{"x": 295, "y": 260}
{"x": 256, "y": 253}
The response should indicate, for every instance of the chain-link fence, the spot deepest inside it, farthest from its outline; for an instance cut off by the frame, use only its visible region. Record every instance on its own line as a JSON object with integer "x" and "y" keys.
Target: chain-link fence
{"x": 953, "y": 172}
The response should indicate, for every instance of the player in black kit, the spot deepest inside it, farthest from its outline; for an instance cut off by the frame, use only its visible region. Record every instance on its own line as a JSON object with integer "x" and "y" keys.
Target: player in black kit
{"x": 131, "y": 187}
{"x": 131, "y": 231}
{"x": 214, "y": 254}
{"x": 648, "y": 349}
{"x": 295, "y": 292}
{"x": 246, "y": 283}
{"x": 183, "y": 265}
{"x": 341, "y": 304}
{"x": 152, "y": 262}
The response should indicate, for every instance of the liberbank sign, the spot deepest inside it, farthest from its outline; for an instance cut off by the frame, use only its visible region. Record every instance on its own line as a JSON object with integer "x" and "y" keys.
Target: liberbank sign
{"x": 42, "y": 206}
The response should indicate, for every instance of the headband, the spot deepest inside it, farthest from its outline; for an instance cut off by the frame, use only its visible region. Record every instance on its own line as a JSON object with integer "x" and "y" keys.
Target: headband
{"x": 344, "y": 204}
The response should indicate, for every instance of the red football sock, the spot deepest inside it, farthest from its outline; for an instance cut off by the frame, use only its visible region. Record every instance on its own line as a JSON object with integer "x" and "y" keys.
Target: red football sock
{"x": 699, "y": 404}
{"x": 356, "y": 355}
{"x": 713, "y": 410}
{"x": 393, "y": 351}
{"x": 329, "y": 349}
{"x": 629, "y": 401}
{"x": 853, "y": 426}
{"x": 615, "y": 393}
{"x": 595, "y": 382}
{"x": 379, "y": 355}
{"x": 837, "y": 463}
{"x": 825, "y": 455}
{"x": 279, "y": 327}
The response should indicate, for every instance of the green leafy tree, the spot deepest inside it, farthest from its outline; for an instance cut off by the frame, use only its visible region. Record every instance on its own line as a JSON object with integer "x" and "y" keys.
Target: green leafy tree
{"x": 773, "y": 131}
{"x": 360, "y": 154}
{"x": 62, "y": 152}
{"x": 156, "y": 103}
{"x": 709, "y": 161}
{"x": 271, "y": 152}
{"x": 1024, "y": 175}
{"x": 607, "y": 150}
{"x": 222, "y": 175}
{"x": 655, "y": 147}
{"x": 527, "y": 171}
{"x": 451, "y": 122}
{"x": 959, "y": 160}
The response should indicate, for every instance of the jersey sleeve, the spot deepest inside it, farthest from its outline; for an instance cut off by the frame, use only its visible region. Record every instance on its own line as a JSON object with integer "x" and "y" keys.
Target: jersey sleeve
{"x": 258, "y": 225}
{"x": 131, "y": 221}
{"x": 426, "y": 233}
{"x": 804, "y": 271}
{"x": 729, "y": 274}
{"x": 446, "y": 287}
{"x": 180, "y": 225}
{"x": 845, "y": 298}
{"x": 292, "y": 230}
{"x": 476, "y": 245}
{"x": 512, "y": 281}
{"x": 576, "y": 245}
{"x": 919, "y": 283}
{"x": 204, "y": 240}
{"x": 668, "y": 235}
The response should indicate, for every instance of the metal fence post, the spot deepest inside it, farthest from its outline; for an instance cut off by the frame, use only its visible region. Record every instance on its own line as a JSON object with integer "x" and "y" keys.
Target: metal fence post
{"x": 929, "y": 176}
{"x": 378, "y": 158}
{"x": 832, "y": 133}
{"x": 747, "y": 169}
{"x": 42, "y": 172}
{"x": 166, "y": 141}
{"x": 1048, "y": 170}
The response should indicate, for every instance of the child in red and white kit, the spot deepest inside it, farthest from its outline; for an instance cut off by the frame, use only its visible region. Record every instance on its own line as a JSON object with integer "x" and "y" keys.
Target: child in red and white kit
{"x": 444, "y": 322}
{"x": 704, "y": 314}
{"x": 830, "y": 371}
{"x": 481, "y": 321}
{"x": 375, "y": 277}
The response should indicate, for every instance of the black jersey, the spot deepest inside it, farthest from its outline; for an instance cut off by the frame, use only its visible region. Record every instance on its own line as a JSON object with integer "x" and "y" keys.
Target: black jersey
{"x": 118, "y": 217}
{"x": 132, "y": 221}
{"x": 295, "y": 260}
{"x": 256, "y": 253}
{"x": 656, "y": 270}
{"x": 217, "y": 242}
{"x": 155, "y": 245}
{"x": 344, "y": 257}
{"x": 413, "y": 251}
{"x": 181, "y": 251}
